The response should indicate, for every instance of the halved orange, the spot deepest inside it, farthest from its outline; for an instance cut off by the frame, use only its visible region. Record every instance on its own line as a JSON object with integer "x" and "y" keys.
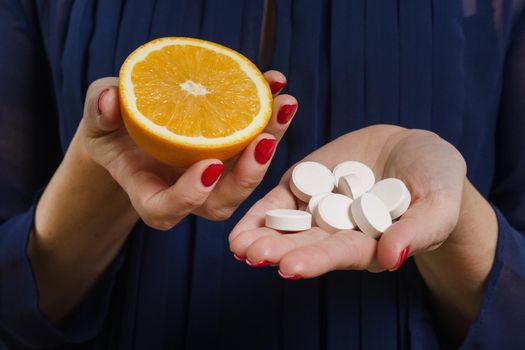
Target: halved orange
{"x": 184, "y": 100}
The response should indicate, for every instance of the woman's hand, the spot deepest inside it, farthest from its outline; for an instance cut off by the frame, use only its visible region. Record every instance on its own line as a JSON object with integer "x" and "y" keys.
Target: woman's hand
{"x": 105, "y": 183}
{"x": 161, "y": 194}
{"x": 431, "y": 168}
{"x": 442, "y": 215}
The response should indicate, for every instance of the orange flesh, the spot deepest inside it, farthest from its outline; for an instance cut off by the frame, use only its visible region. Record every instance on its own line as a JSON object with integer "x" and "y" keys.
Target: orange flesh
{"x": 226, "y": 100}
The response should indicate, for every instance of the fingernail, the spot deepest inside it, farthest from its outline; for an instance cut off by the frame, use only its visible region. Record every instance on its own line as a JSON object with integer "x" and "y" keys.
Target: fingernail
{"x": 289, "y": 277}
{"x": 261, "y": 263}
{"x": 211, "y": 174}
{"x": 238, "y": 258}
{"x": 402, "y": 257}
{"x": 264, "y": 150}
{"x": 99, "y": 100}
{"x": 285, "y": 113}
{"x": 277, "y": 86}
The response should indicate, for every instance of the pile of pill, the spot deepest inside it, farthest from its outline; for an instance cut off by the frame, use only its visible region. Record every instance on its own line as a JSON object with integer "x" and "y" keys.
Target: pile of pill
{"x": 359, "y": 202}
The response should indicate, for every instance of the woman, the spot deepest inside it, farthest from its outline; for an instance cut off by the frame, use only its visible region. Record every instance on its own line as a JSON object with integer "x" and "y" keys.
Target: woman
{"x": 86, "y": 272}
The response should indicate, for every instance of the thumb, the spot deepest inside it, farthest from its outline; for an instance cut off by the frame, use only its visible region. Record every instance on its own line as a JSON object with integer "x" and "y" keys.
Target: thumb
{"x": 102, "y": 110}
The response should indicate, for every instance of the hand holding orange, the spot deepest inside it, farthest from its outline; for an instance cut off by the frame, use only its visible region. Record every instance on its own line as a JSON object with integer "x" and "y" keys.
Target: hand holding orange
{"x": 184, "y": 100}
{"x": 192, "y": 104}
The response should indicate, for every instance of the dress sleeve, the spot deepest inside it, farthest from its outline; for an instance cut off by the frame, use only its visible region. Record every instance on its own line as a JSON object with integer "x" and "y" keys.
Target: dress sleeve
{"x": 499, "y": 324}
{"x": 29, "y": 153}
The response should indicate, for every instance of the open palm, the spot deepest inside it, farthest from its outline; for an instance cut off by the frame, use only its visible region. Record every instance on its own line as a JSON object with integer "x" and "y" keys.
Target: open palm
{"x": 434, "y": 172}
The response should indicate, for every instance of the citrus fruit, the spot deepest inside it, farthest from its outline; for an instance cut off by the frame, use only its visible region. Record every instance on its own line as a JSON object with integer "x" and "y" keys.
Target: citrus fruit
{"x": 183, "y": 100}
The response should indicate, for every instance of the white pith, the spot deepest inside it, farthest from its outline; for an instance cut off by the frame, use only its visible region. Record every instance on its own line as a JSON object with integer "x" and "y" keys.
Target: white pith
{"x": 193, "y": 88}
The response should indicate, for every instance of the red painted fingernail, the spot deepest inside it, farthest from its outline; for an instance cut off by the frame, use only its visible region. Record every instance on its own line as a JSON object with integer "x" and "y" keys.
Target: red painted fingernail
{"x": 285, "y": 113}
{"x": 402, "y": 257}
{"x": 289, "y": 277}
{"x": 277, "y": 86}
{"x": 99, "y": 100}
{"x": 238, "y": 258}
{"x": 262, "y": 263}
{"x": 211, "y": 174}
{"x": 264, "y": 150}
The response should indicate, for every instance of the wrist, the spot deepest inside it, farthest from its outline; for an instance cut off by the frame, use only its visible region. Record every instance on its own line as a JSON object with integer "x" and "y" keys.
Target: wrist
{"x": 474, "y": 238}
{"x": 457, "y": 272}
{"x": 81, "y": 190}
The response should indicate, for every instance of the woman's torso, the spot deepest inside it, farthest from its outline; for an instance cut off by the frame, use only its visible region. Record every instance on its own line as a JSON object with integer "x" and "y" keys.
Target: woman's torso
{"x": 421, "y": 64}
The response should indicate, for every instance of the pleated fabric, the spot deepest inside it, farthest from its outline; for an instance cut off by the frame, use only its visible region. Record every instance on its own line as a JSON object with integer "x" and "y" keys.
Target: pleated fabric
{"x": 350, "y": 63}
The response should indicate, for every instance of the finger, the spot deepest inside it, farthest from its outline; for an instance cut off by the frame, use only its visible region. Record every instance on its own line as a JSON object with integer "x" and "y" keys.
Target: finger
{"x": 241, "y": 180}
{"x": 247, "y": 173}
{"x": 278, "y": 198}
{"x": 284, "y": 109}
{"x": 342, "y": 250}
{"x": 271, "y": 248}
{"x": 277, "y": 81}
{"x": 240, "y": 244}
{"x": 162, "y": 205}
{"x": 108, "y": 108}
{"x": 426, "y": 225}
{"x": 101, "y": 109}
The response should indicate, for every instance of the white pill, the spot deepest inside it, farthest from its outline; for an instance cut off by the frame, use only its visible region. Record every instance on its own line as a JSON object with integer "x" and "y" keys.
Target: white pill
{"x": 350, "y": 186}
{"x": 395, "y": 194}
{"x": 288, "y": 220}
{"x": 364, "y": 173}
{"x": 333, "y": 213}
{"x": 309, "y": 179}
{"x": 314, "y": 201}
{"x": 371, "y": 215}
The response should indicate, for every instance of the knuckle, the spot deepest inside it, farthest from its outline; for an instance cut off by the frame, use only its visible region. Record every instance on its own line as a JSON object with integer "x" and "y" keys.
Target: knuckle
{"x": 160, "y": 224}
{"x": 248, "y": 182}
{"x": 151, "y": 222}
{"x": 219, "y": 214}
{"x": 222, "y": 214}
{"x": 156, "y": 220}
{"x": 143, "y": 205}
{"x": 192, "y": 199}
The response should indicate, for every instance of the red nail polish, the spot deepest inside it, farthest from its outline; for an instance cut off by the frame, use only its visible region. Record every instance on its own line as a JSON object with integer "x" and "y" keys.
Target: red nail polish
{"x": 99, "y": 100}
{"x": 402, "y": 257}
{"x": 285, "y": 113}
{"x": 277, "y": 86}
{"x": 261, "y": 263}
{"x": 238, "y": 258}
{"x": 289, "y": 277}
{"x": 264, "y": 150}
{"x": 211, "y": 174}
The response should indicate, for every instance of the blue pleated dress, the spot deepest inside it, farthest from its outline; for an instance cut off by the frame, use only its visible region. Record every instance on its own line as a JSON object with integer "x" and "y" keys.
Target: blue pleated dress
{"x": 454, "y": 67}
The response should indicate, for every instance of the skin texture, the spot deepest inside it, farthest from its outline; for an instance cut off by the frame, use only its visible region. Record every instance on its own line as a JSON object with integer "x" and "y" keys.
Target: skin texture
{"x": 450, "y": 230}
{"x": 105, "y": 183}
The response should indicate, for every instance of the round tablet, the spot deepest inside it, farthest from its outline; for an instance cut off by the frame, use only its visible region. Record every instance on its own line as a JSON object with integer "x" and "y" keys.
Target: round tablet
{"x": 314, "y": 201}
{"x": 371, "y": 215}
{"x": 333, "y": 213}
{"x": 350, "y": 186}
{"x": 364, "y": 173}
{"x": 395, "y": 194}
{"x": 288, "y": 220}
{"x": 309, "y": 179}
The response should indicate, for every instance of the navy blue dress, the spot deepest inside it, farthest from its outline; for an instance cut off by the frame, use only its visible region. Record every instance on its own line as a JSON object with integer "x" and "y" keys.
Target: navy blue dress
{"x": 454, "y": 67}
